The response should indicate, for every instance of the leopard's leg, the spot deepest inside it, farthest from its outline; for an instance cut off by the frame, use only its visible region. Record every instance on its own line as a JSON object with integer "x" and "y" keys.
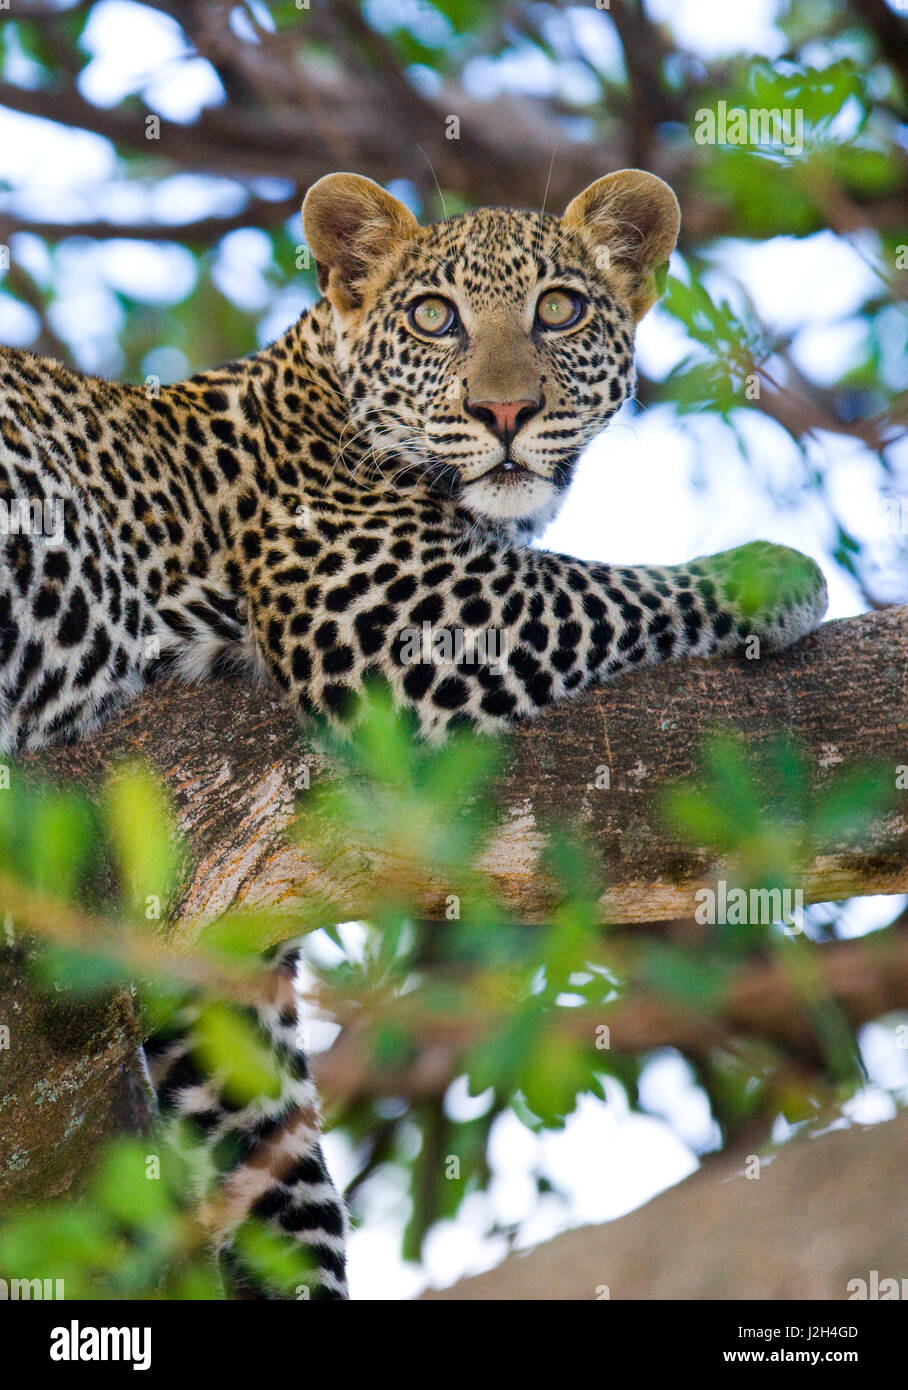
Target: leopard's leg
{"x": 557, "y": 624}
{"x": 268, "y": 1151}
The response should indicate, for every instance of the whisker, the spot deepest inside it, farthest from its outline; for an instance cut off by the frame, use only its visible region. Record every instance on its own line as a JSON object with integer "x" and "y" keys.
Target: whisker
{"x": 444, "y": 208}
{"x": 544, "y": 200}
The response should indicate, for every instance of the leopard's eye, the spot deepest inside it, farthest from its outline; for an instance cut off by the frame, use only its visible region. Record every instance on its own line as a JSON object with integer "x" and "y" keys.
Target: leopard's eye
{"x": 559, "y": 308}
{"x": 433, "y": 315}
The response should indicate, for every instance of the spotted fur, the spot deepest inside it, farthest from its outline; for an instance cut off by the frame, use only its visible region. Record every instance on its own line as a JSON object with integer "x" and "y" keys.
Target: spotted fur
{"x": 298, "y": 512}
{"x": 267, "y": 1152}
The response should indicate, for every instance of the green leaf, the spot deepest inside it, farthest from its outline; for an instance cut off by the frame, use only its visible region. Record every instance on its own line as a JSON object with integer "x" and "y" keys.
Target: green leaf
{"x": 141, "y": 827}
{"x": 231, "y": 1047}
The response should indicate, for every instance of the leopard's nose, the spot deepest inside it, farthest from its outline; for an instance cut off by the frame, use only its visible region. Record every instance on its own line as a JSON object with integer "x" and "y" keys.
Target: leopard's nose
{"x": 504, "y": 418}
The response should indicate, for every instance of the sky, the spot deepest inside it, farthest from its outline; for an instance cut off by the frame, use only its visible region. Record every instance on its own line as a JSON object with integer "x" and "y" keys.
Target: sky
{"x": 632, "y": 502}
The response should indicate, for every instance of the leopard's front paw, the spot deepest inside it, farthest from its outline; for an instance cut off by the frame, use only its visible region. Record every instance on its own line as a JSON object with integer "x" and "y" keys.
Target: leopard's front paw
{"x": 770, "y": 591}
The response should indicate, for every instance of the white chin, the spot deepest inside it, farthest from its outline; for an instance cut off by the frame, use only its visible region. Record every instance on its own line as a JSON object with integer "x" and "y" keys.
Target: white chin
{"x": 530, "y": 499}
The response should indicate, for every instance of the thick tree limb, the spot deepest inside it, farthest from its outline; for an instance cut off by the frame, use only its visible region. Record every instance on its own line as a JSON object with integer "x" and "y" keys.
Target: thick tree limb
{"x": 232, "y": 760}
{"x": 230, "y": 756}
{"x": 812, "y": 1222}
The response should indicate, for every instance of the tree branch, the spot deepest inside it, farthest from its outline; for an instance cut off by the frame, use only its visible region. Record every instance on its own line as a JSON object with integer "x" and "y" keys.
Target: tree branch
{"x": 867, "y": 978}
{"x": 256, "y": 212}
{"x": 805, "y": 1228}
{"x": 232, "y": 760}
{"x": 319, "y": 123}
{"x": 230, "y": 755}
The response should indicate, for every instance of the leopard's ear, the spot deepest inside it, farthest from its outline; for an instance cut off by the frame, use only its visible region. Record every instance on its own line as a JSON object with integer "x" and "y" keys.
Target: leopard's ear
{"x": 630, "y": 221}
{"x": 351, "y": 226}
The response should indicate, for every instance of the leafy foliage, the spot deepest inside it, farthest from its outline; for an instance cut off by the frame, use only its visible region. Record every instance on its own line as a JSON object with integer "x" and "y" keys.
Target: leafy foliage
{"x": 523, "y": 1011}
{"x": 519, "y": 1010}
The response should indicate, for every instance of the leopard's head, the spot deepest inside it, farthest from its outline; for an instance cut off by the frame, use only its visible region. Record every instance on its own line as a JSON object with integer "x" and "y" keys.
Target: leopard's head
{"x": 483, "y": 352}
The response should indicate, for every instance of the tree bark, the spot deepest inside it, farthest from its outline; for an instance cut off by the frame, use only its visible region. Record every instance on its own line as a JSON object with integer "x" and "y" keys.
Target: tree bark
{"x": 811, "y": 1223}
{"x": 234, "y": 764}
{"x": 230, "y": 756}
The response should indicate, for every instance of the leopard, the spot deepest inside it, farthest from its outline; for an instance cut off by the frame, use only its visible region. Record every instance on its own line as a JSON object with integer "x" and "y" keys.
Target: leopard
{"x": 386, "y": 467}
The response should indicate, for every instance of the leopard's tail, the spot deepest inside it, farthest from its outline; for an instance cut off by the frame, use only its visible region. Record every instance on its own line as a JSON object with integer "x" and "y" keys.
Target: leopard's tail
{"x": 267, "y": 1152}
